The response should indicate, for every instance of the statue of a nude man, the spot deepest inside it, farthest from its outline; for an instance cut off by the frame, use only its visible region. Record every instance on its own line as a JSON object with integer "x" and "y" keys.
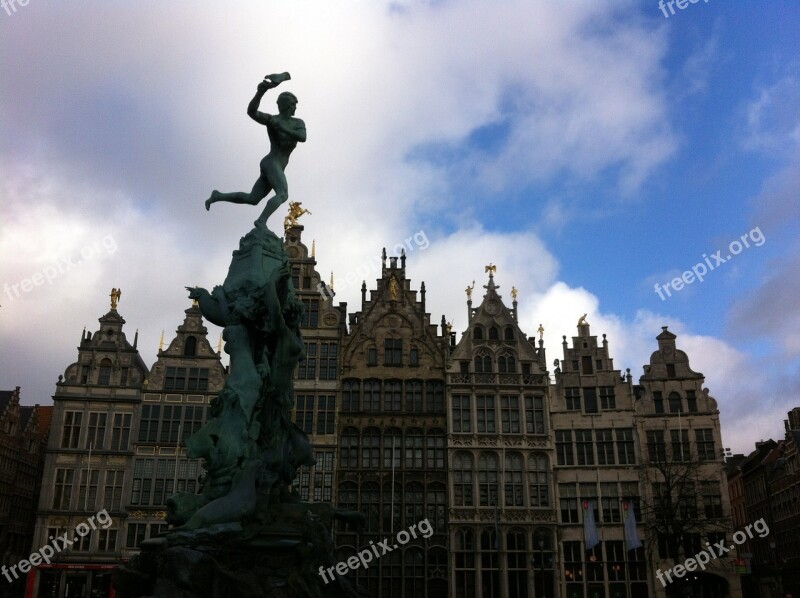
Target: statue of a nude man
{"x": 284, "y": 132}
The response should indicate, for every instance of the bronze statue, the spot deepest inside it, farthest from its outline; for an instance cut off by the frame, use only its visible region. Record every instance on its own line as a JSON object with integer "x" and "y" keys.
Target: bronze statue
{"x": 284, "y": 132}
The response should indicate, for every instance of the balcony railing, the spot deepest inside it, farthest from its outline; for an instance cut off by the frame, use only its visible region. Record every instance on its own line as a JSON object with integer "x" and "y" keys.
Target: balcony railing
{"x": 498, "y": 378}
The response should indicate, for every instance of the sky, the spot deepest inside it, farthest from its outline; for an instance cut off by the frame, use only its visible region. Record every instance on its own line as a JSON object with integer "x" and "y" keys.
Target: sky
{"x": 591, "y": 150}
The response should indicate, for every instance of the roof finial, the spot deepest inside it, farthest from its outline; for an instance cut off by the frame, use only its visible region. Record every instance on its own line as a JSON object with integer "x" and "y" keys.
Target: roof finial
{"x": 331, "y": 285}
{"x": 161, "y": 342}
{"x": 313, "y": 248}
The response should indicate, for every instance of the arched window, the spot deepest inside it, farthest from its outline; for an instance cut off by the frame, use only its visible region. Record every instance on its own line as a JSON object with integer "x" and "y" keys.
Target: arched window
{"x": 514, "y": 485}
{"x": 464, "y": 548}
{"x": 351, "y": 395}
{"x": 370, "y": 448}
{"x": 483, "y": 363}
{"x": 414, "y": 573}
{"x": 494, "y": 334}
{"x": 542, "y": 559}
{"x": 392, "y": 506}
{"x": 372, "y": 395}
{"x": 190, "y": 346}
{"x": 392, "y": 448}
{"x": 477, "y": 333}
{"x": 434, "y": 395}
{"x": 508, "y": 333}
{"x": 348, "y": 453}
{"x": 517, "y": 550}
{"x": 437, "y": 571}
{"x": 506, "y": 363}
{"x": 488, "y": 468}
{"x": 462, "y": 480}
{"x": 105, "y": 372}
{"x": 538, "y": 480}
{"x": 347, "y": 499}
{"x": 413, "y": 396}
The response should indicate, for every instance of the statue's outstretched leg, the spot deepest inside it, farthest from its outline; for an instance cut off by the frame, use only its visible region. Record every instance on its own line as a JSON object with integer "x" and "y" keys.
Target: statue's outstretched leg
{"x": 259, "y": 192}
{"x": 278, "y": 179}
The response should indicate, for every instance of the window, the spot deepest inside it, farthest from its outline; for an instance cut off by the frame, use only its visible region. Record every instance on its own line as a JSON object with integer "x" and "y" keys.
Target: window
{"x": 483, "y": 364}
{"x": 610, "y": 503}
{"x": 656, "y": 447}
{"x": 534, "y": 414}
{"x": 464, "y": 549}
{"x": 488, "y": 468}
{"x": 323, "y": 476}
{"x": 348, "y": 453}
{"x": 477, "y": 333}
{"x": 680, "y": 445}
{"x": 564, "y": 450}
{"x": 304, "y": 413}
{"x": 393, "y": 352}
{"x": 568, "y": 499}
{"x": 413, "y": 357}
{"x": 372, "y": 395}
{"x": 148, "y": 424}
{"x": 193, "y": 420}
{"x": 625, "y": 449}
{"x": 307, "y": 368}
{"x": 372, "y": 356}
{"x": 517, "y": 547}
{"x": 62, "y": 494}
{"x": 585, "y": 447}
{"x": 370, "y": 449}
{"x": 434, "y": 395}
{"x": 311, "y": 315}
{"x": 83, "y": 543}
{"x": 413, "y": 396}
{"x": 462, "y": 417}
{"x": 351, "y": 395}
{"x": 590, "y": 399}
{"x": 120, "y": 432}
{"x": 486, "y": 414}
{"x": 675, "y": 403}
{"x": 84, "y": 374}
{"x": 586, "y": 364}
{"x": 658, "y": 402}
{"x": 72, "y": 429}
{"x": 105, "y": 372}
{"x": 705, "y": 444}
{"x": 143, "y": 470}
{"x": 691, "y": 401}
{"x": 605, "y": 447}
{"x": 97, "y": 431}
{"x": 190, "y": 346}
{"x": 437, "y": 506}
{"x": 598, "y": 364}
{"x": 112, "y": 498}
{"x": 607, "y": 399}
{"x": 392, "y": 395}
{"x": 506, "y": 364}
{"x": 462, "y": 479}
{"x": 123, "y": 377}
{"x": 670, "y": 370}
{"x": 509, "y": 412}
{"x": 435, "y": 450}
{"x": 712, "y": 500}
{"x": 136, "y": 534}
{"x": 88, "y": 502}
{"x": 514, "y": 488}
{"x": 414, "y": 449}
{"x": 175, "y": 379}
{"x": 392, "y": 449}
{"x": 490, "y": 578}
{"x": 494, "y": 334}
{"x": 164, "y": 483}
{"x": 107, "y": 540}
{"x": 414, "y": 503}
{"x": 171, "y": 424}
{"x": 538, "y": 484}
{"x": 573, "y": 398}
{"x": 327, "y": 360}
{"x": 198, "y": 379}
{"x": 326, "y": 409}
{"x": 687, "y": 500}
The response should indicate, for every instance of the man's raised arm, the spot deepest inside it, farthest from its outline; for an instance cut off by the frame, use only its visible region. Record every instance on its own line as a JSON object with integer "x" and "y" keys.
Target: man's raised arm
{"x": 252, "y": 107}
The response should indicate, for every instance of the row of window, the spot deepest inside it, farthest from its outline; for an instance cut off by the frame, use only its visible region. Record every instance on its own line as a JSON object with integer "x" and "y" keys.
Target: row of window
{"x": 393, "y": 354}
{"x": 106, "y": 368}
{"x": 182, "y": 378}
{"x": 410, "y": 396}
{"x": 64, "y": 497}
{"x": 595, "y": 447}
{"x": 170, "y": 424}
{"x": 680, "y": 449}
{"x": 589, "y": 402}
{"x": 97, "y": 540}
{"x": 311, "y": 409}
{"x": 393, "y": 449}
{"x": 607, "y": 500}
{"x": 98, "y": 435}
{"x": 479, "y": 414}
{"x": 522, "y": 485}
{"x": 155, "y": 480}
{"x": 668, "y": 506}
{"x": 396, "y": 506}
{"x": 675, "y": 402}
{"x": 316, "y": 481}
{"x": 320, "y": 362}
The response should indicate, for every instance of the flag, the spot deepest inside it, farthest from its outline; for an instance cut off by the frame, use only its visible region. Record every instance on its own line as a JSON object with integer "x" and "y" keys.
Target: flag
{"x": 590, "y": 534}
{"x": 631, "y": 535}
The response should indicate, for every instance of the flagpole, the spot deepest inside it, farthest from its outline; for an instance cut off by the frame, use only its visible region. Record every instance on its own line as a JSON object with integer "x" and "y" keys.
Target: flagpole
{"x": 177, "y": 454}
{"x": 394, "y": 444}
{"x": 88, "y": 483}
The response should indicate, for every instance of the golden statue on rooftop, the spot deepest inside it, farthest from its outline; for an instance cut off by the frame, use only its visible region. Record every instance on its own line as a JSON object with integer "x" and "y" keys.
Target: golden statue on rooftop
{"x": 582, "y": 321}
{"x": 115, "y": 295}
{"x": 295, "y": 211}
{"x": 491, "y": 269}
{"x": 514, "y": 293}
{"x": 469, "y": 290}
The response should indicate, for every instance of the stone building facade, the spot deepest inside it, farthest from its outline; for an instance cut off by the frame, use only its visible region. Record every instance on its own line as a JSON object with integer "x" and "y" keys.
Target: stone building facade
{"x": 23, "y": 440}
{"x": 89, "y": 461}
